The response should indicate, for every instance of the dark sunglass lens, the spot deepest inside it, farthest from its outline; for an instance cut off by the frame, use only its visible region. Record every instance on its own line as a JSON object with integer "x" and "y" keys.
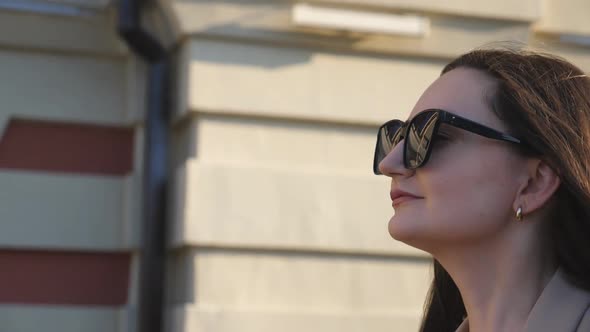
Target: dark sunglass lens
{"x": 387, "y": 138}
{"x": 419, "y": 138}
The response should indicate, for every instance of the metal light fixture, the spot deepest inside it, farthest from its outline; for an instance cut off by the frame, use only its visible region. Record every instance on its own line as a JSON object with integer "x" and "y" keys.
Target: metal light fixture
{"x": 359, "y": 21}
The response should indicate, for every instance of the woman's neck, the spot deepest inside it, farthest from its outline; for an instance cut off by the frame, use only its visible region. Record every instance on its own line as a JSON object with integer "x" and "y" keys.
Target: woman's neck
{"x": 500, "y": 280}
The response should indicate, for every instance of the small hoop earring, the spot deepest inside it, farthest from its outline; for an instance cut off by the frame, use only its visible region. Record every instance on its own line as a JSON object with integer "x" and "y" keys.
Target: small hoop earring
{"x": 519, "y": 214}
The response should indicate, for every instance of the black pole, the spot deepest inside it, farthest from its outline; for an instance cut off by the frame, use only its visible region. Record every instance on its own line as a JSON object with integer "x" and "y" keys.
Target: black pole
{"x": 150, "y": 307}
{"x": 153, "y": 249}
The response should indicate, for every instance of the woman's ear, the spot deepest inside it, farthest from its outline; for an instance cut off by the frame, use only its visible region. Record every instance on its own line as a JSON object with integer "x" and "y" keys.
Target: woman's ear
{"x": 539, "y": 187}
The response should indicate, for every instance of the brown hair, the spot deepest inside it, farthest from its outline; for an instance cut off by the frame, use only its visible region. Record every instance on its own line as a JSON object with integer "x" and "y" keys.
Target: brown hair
{"x": 545, "y": 100}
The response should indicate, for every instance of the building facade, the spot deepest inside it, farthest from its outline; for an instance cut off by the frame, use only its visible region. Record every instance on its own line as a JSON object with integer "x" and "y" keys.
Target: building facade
{"x": 275, "y": 221}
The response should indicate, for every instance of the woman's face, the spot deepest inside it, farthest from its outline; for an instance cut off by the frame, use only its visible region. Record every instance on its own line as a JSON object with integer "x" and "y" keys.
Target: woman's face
{"x": 467, "y": 189}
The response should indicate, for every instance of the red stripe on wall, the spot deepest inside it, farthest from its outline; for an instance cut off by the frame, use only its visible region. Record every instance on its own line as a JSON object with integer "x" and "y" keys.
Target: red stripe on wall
{"x": 64, "y": 278}
{"x": 67, "y": 147}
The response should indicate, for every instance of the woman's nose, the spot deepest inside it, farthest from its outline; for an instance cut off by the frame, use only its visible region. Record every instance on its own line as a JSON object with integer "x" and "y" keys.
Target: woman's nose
{"x": 393, "y": 163}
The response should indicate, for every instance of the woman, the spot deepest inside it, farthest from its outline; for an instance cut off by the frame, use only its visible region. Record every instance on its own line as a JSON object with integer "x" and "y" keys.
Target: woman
{"x": 492, "y": 177}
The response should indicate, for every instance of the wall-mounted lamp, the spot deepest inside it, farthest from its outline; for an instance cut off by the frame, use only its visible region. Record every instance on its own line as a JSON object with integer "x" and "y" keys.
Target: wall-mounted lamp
{"x": 359, "y": 21}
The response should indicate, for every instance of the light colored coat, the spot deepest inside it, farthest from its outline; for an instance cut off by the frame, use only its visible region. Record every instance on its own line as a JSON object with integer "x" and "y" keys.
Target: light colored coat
{"x": 562, "y": 307}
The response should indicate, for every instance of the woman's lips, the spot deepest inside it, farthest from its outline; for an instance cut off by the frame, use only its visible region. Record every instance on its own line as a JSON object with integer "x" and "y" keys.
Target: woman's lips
{"x": 399, "y": 196}
{"x": 402, "y": 199}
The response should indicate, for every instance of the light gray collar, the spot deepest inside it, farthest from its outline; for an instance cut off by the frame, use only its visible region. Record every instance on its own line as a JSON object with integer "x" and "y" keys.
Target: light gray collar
{"x": 560, "y": 307}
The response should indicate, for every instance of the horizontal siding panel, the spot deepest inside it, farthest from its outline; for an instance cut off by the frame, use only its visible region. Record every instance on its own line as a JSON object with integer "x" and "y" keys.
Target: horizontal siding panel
{"x": 67, "y": 211}
{"x": 51, "y": 32}
{"x": 565, "y": 17}
{"x": 270, "y": 21}
{"x": 278, "y": 143}
{"x": 304, "y": 209}
{"x": 64, "y": 277}
{"x": 298, "y": 83}
{"x": 73, "y": 88}
{"x": 288, "y": 281}
{"x": 21, "y": 318}
{"x": 523, "y": 10}
{"x": 194, "y": 319}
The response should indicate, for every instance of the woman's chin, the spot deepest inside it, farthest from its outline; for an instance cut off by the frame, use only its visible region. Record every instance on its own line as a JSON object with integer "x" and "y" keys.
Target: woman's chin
{"x": 400, "y": 229}
{"x": 406, "y": 231}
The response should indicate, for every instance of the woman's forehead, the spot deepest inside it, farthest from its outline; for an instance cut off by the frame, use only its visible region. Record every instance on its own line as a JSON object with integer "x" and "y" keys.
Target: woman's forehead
{"x": 463, "y": 91}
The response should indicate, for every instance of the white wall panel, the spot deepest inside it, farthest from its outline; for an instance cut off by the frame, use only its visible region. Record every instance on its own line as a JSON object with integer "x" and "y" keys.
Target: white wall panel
{"x": 297, "y": 83}
{"x": 63, "y": 87}
{"x": 565, "y": 17}
{"x": 312, "y": 282}
{"x": 22, "y": 318}
{"x": 94, "y": 35}
{"x": 195, "y": 319}
{"x": 248, "y": 206}
{"x": 278, "y": 143}
{"x": 66, "y": 211}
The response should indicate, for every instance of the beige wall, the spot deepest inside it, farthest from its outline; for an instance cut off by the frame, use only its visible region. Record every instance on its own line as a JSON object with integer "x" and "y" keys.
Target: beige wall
{"x": 72, "y": 70}
{"x": 65, "y": 82}
{"x": 278, "y": 222}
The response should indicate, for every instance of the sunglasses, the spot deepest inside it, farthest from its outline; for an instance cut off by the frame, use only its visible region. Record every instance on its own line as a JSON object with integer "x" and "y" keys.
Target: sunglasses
{"x": 420, "y": 134}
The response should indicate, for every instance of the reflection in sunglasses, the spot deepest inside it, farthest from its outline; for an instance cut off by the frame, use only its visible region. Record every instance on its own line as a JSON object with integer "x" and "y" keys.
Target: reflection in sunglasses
{"x": 420, "y": 137}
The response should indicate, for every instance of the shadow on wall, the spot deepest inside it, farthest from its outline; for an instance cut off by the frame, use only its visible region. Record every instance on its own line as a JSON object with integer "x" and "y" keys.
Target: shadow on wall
{"x": 186, "y": 136}
{"x": 250, "y": 26}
